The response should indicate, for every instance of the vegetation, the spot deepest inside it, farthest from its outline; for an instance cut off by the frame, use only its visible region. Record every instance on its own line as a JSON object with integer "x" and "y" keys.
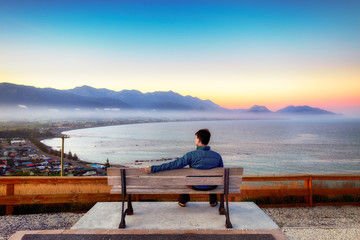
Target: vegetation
{"x": 40, "y": 145}
{"x": 107, "y": 164}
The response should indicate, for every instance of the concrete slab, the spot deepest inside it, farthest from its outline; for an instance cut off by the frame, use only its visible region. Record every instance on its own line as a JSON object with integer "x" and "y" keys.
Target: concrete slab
{"x": 170, "y": 216}
{"x": 123, "y": 234}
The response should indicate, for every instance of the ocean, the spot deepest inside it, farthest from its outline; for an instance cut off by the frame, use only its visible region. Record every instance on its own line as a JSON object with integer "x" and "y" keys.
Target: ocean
{"x": 262, "y": 147}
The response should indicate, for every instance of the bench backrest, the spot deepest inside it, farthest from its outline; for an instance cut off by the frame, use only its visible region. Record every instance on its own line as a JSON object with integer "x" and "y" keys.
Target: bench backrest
{"x": 178, "y": 177}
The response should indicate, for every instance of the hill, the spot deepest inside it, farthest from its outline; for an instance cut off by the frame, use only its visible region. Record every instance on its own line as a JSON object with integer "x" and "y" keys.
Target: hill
{"x": 86, "y": 97}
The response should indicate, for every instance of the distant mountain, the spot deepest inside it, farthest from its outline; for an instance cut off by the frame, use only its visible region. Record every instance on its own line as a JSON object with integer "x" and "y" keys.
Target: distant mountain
{"x": 88, "y": 97}
{"x": 155, "y": 100}
{"x": 303, "y": 110}
{"x": 12, "y": 95}
{"x": 259, "y": 109}
{"x": 92, "y": 98}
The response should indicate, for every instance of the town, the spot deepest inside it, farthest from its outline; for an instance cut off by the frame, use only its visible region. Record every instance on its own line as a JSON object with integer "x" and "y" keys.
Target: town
{"x": 21, "y": 157}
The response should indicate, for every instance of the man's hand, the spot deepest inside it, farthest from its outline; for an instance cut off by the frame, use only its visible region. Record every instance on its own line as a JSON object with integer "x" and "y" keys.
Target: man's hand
{"x": 146, "y": 169}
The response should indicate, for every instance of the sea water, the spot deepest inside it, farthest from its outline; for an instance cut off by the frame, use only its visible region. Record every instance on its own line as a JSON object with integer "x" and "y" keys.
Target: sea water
{"x": 260, "y": 146}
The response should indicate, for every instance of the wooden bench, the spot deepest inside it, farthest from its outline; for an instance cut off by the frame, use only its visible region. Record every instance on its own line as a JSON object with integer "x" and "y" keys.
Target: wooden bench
{"x": 127, "y": 181}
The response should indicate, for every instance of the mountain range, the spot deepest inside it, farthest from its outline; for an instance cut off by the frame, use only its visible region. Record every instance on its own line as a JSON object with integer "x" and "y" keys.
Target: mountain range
{"x": 89, "y": 98}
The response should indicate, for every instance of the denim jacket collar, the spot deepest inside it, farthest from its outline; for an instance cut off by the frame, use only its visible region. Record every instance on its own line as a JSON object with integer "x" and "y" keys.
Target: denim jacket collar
{"x": 205, "y": 148}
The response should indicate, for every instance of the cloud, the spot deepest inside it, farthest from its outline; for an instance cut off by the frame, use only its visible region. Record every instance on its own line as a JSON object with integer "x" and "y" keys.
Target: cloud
{"x": 22, "y": 106}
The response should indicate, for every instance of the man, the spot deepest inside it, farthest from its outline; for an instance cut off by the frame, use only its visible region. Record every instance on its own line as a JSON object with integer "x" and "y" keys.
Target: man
{"x": 201, "y": 158}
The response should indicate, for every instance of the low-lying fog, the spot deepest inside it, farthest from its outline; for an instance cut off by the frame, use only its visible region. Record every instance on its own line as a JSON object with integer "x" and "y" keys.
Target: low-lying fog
{"x": 24, "y": 113}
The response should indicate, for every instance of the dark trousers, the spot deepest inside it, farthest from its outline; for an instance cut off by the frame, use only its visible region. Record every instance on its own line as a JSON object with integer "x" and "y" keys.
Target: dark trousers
{"x": 184, "y": 198}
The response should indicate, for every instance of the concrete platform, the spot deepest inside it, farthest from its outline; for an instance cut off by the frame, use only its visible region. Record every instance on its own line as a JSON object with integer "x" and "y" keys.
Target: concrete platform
{"x": 170, "y": 216}
{"x": 77, "y": 234}
{"x": 164, "y": 221}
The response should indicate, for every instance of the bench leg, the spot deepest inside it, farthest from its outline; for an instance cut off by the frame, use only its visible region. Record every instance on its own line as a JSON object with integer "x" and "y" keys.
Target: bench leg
{"x": 123, "y": 193}
{"x": 227, "y": 222}
{"x": 130, "y": 209}
{"x": 221, "y": 207}
{"x": 226, "y": 192}
{"x": 123, "y": 214}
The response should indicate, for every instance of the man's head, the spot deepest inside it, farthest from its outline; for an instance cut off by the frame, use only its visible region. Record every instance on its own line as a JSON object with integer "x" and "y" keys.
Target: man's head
{"x": 202, "y": 137}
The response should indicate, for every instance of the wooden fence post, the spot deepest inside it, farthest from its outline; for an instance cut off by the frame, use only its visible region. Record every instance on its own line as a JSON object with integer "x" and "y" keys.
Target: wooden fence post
{"x": 310, "y": 192}
{"x": 9, "y": 192}
{"x": 308, "y": 186}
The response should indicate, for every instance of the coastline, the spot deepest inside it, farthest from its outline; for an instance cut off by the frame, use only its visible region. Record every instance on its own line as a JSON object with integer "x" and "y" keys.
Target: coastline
{"x": 57, "y": 131}
{"x": 61, "y": 129}
{"x": 302, "y": 145}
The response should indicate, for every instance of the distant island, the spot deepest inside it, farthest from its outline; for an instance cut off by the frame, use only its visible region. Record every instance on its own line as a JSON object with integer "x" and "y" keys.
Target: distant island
{"x": 89, "y": 98}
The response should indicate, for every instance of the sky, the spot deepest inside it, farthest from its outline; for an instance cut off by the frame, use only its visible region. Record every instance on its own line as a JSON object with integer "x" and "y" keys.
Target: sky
{"x": 235, "y": 53}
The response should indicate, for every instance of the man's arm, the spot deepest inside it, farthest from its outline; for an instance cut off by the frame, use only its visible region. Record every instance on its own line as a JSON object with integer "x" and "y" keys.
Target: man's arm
{"x": 176, "y": 164}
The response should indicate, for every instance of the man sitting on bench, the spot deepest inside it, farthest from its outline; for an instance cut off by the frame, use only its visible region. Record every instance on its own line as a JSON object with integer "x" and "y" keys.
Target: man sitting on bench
{"x": 201, "y": 158}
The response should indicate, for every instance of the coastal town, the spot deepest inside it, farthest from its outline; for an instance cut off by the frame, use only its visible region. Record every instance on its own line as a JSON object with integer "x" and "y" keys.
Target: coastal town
{"x": 21, "y": 157}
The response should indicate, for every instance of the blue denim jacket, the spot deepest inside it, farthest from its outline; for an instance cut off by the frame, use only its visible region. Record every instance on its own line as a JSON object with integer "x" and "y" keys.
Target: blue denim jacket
{"x": 201, "y": 158}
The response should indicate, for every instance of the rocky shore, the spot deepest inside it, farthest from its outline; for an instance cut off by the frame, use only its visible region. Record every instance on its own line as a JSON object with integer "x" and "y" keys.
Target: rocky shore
{"x": 330, "y": 222}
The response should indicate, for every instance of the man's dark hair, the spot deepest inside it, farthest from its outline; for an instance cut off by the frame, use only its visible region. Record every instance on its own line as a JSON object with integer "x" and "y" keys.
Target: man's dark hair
{"x": 203, "y": 135}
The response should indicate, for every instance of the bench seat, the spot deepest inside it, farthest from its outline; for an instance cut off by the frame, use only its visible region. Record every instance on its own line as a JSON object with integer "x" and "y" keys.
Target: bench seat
{"x": 171, "y": 190}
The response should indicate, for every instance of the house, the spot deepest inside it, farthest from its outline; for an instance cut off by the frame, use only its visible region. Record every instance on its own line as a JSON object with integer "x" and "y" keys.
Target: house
{"x": 90, "y": 173}
{"x": 97, "y": 166}
{"x": 33, "y": 156}
{"x": 26, "y": 163}
{"x": 18, "y": 142}
{"x": 30, "y": 165}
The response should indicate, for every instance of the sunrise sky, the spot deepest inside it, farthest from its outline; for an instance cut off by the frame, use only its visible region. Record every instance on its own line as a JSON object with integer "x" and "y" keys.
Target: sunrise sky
{"x": 235, "y": 53}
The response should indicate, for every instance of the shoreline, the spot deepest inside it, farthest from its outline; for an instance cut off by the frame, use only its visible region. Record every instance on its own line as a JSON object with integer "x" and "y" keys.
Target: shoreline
{"x": 92, "y": 154}
{"x": 60, "y": 130}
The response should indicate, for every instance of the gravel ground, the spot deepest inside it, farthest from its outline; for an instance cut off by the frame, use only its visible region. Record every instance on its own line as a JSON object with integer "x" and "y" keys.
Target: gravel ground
{"x": 11, "y": 224}
{"x": 342, "y": 222}
{"x": 319, "y": 223}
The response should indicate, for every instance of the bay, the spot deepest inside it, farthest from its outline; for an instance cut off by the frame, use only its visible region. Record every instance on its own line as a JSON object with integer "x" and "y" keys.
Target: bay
{"x": 260, "y": 146}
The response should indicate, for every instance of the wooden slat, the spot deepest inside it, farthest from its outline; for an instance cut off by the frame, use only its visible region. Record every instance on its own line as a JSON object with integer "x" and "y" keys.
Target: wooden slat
{"x": 273, "y": 192}
{"x": 261, "y": 178}
{"x": 169, "y": 186}
{"x": 176, "y": 181}
{"x": 58, "y": 198}
{"x": 114, "y": 180}
{"x": 335, "y": 191}
{"x": 336, "y": 177}
{"x": 235, "y": 180}
{"x": 275, "y": 178}
{"x": 155, "y": 180}
{"x": 181, "y": 191}
{"x": 113, "y": 172}
{"x": 176, "y": 172}
{"x": 172, "y": 190}
{"x": 51, "y": 180}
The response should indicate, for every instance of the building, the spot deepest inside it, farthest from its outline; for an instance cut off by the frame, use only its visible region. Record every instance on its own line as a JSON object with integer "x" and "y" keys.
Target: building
{"x": 18, "y": 142}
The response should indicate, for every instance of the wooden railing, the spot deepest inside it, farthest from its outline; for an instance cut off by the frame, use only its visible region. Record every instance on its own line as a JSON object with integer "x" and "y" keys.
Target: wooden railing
{"x": 322, "y": 187}
{"x": 252, "y": 187}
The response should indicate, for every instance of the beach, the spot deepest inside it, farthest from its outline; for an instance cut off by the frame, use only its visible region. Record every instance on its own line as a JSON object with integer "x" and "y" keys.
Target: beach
{"x": 322, "y": 222}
